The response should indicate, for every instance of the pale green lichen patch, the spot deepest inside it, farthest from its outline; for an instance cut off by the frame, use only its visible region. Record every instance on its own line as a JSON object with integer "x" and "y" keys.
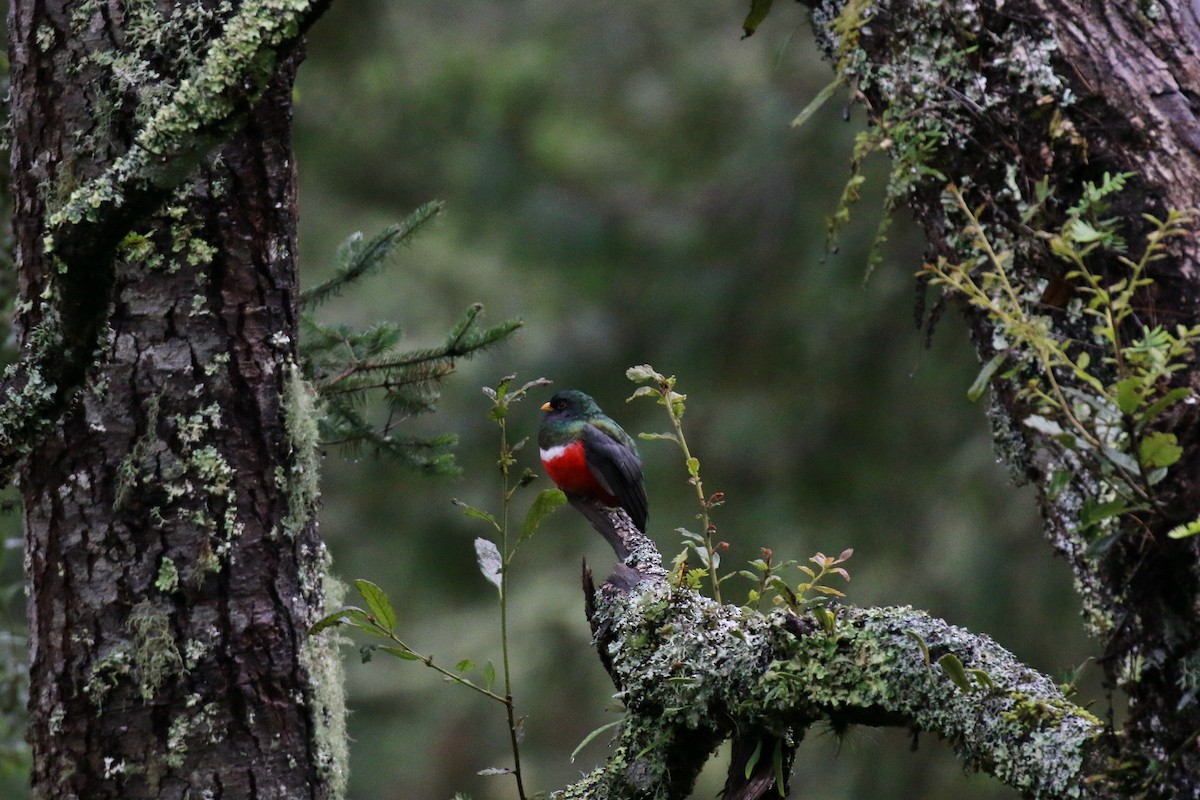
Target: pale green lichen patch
{"x": 168, "y": 576}
{"x": 105, "y": 673}
{"x": 154, "y": 655}
{"x": 186, "y": 111}
{"x": 301, "y": 480}
{"x": 137, "y": 463}
{"x": 321, "y": 660}
{"x": 191, "y": 724}
{"x": 178, "y": 461}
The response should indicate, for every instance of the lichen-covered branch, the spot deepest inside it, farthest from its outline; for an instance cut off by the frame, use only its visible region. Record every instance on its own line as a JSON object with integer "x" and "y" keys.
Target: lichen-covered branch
{"x": 81, "y": 233}
{"x": 693, "y": 672}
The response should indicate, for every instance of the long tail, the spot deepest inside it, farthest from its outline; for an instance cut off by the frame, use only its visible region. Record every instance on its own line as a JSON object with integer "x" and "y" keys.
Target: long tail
{"x": 602, "y": 521}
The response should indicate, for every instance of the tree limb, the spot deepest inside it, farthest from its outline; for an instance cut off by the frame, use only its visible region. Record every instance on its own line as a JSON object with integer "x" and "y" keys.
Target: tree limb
{"x": 692, "y": 673}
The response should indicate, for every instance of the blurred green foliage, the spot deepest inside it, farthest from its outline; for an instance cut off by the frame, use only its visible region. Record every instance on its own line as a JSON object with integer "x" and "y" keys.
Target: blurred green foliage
{"x": 622, "y": 176}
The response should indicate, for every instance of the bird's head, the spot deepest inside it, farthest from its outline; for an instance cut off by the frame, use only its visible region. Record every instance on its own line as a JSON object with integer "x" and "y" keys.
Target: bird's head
{"x": 570, "y": 404}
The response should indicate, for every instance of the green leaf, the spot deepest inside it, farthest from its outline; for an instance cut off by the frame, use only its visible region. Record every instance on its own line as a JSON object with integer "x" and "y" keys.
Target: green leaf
{"x": 643, "y": 373}
{"x": 985, "y": 376}
{"x": 752, "y": 761}
{"x": 490, "y": 562}
{"x": 982, "y": 678}
{"x": 1128, "y": 396}
{"x": 494, "y": 771}
{"x": 466, "y": 665}
{"x": 1058, "y": 482}
{"x": 588, "y": 739}
{"x": 398, "y": 652}
{"x": 954, "y": 671}
{"x": 544, "y": 504}
{"x": 777, "y": 768}
{"x": 336, "y": 618}
{"x": 1093, "y": 512}
{"x": 1159, "y": 449}
{"x": 1082, "y": 232}
{"x": 378, "y": 603}
{"x": 758, "y": 12}
{"x": 1155, "y": 476}
{"x": 1102, "y": 545}
{"x": 815, "y": 104}
{"x": 1185, "y": 530}
{"x": 920, "y": 643}
{"x": 1163, "y": 403}
{"x": 676, "y": 401}
{"x": 1043, "y": 425}
{"x": 476, "y": 513}
{"x": 693, "y": 466}
{"x": 489, "y": 675}
{"x": 666, "y": 437}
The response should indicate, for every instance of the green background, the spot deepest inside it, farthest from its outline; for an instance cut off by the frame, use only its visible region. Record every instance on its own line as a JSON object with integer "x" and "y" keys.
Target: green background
{"x": 622, "y": 176}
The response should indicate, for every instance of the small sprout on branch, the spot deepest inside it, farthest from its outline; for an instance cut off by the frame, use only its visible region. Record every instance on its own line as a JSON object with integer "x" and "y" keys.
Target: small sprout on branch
{"x": 808, "y": 595}
{"x": 662, "y": 389}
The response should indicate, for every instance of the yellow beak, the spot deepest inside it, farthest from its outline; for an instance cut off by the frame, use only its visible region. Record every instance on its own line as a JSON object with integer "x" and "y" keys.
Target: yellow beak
{"x": 546, "y": 406}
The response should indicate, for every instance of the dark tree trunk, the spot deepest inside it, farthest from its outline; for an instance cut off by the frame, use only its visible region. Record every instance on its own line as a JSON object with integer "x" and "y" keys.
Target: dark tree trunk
{"x": 172, "y": 562}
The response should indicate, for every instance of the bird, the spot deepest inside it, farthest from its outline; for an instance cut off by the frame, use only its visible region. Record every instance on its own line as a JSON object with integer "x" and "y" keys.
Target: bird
{"x": 591, "y": 458}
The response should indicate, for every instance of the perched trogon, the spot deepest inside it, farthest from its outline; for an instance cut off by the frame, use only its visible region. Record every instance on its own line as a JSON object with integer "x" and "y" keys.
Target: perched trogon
{"x": 592, "y": 459}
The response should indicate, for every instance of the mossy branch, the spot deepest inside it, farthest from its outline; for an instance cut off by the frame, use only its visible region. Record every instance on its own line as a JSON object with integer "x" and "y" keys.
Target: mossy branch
{"x": 693, "y": 672}
{"x": 83, "y": 233}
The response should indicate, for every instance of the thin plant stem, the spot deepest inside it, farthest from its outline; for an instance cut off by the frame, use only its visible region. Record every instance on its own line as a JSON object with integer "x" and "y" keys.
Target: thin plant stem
{"x": 677, "y": 423}
{"x": 438, "y": 668}
{"x": 506, "y": 498}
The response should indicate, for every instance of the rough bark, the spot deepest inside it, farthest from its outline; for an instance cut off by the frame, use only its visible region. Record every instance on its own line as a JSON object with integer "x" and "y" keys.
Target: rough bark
{"x": 172, "y": 563}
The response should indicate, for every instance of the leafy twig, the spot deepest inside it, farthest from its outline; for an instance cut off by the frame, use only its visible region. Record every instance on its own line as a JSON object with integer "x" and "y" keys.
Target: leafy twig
{"x": 662, "y": 388}
{"x": 494, "y": 562}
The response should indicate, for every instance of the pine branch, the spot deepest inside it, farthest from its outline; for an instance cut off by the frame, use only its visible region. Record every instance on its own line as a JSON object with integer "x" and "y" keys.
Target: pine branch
{"x": 358, "y": 372}
{"x": 356, "y": 259}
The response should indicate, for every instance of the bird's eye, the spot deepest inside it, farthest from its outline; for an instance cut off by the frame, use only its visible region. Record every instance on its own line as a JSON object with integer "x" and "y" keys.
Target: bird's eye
{"x": 560, "y": 404}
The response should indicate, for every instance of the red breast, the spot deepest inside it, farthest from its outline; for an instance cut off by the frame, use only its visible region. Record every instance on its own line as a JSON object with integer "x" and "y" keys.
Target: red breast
{"x": 567, "y": 467}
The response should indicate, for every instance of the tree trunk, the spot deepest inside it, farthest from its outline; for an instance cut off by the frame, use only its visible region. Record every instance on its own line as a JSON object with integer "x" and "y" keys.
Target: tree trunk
{"x": 172, "y": 561}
